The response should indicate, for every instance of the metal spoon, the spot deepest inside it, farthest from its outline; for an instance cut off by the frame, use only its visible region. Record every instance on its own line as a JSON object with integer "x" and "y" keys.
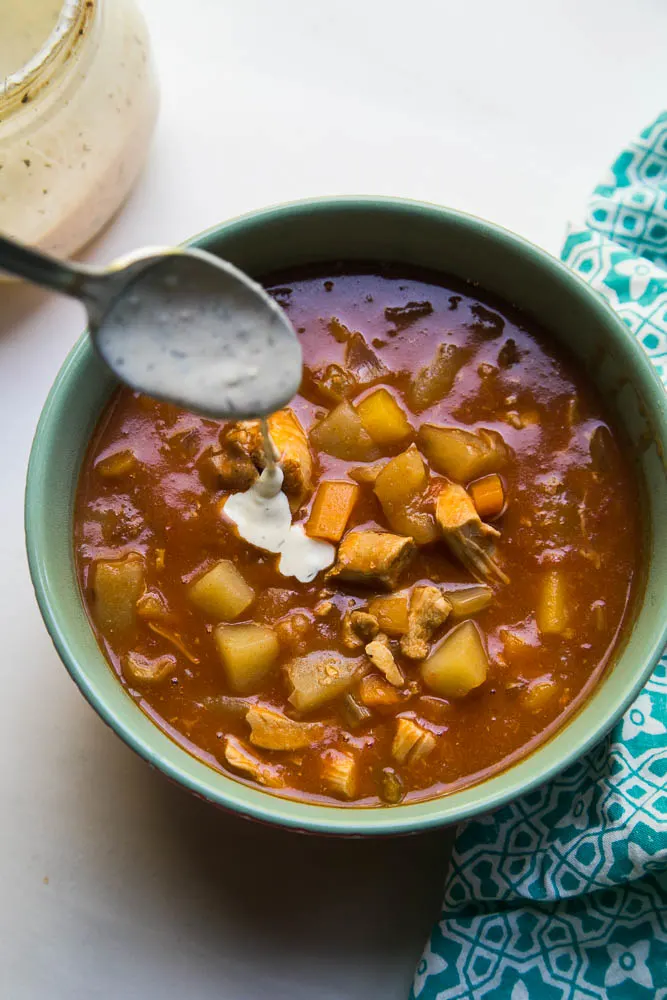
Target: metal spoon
{"x": 180, "y": 325}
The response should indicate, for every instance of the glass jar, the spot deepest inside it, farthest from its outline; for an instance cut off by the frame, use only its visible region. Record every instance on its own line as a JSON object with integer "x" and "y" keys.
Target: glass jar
{"x": 76, "y": 116}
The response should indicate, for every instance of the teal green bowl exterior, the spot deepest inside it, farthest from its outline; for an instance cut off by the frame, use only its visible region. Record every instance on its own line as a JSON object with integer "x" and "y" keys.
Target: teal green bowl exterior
{"x": 415, "y": 234}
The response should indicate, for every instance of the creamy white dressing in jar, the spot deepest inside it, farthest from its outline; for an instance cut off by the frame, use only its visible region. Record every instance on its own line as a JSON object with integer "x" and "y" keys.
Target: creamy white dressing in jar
{"x": 78, "y": 102}
{"x": 25, "y": 26}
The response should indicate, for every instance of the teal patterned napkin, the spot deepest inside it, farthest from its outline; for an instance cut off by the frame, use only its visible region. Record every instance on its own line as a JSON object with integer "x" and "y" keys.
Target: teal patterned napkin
{"x": 562, "y": 895}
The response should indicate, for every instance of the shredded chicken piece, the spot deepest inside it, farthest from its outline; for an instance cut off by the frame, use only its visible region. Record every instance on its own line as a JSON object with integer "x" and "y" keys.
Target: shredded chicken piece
{"x": 274, "y": 731}
{"x": 241, "y": 759}
{"x": 147, "y": 670}
{"x": 411, "y": 741}
{"x": 152, "y": 605}
{"x": 339, "y": 773}
{"x": 358, "y": 628}
{"x": 381, "y": 656}
{"x": 372, "y": 558}
{"x": 428, "y": 610}
{"x": 323, "y": 608}
{"x": 292, "y": 445}
{"x": 468, "y": 537}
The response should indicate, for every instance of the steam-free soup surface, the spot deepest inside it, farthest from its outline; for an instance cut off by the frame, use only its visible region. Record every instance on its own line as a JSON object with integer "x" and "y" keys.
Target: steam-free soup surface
{"x": 485, "y": 521}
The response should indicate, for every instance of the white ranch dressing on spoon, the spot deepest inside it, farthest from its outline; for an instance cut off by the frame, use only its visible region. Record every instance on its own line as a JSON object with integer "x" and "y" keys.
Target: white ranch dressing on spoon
{"x": 263, "y": 517}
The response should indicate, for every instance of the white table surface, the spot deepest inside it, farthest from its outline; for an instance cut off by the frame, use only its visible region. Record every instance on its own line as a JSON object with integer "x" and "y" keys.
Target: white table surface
{"x": 112, "y": 882}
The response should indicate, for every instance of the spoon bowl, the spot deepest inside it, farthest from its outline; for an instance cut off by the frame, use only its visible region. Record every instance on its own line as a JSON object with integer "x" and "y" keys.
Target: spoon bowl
{"x": 180, "y": 325}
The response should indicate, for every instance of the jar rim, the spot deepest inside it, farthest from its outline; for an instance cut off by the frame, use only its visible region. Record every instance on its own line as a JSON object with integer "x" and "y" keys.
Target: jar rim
{"x": 21, "y": 86}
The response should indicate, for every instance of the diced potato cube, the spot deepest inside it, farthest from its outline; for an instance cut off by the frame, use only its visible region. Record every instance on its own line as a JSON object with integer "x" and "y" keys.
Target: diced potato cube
{"x": 399, "y": 487}
{"x": 222, "y": 593}
{"x": 411, "y": 742}
{"x": 332, "y": 506}
{"x": 488, "y": 496}
{"x": 274, "y": 731}
{"x": 458, "y": 664}
{"x": 321, "y": 676}
{"x": 342, "y": 434}
{"x": 552, "y": 613}
{"x": 462, "y": 455}
{"x": 469, "y": 600}
{"x": 117, "y": 465}
{"x": 391, "y": 613}
{"x": 539, "y": 693}
{"x": 339, "y": 773}
{"x": 140, "y": 669}
{"x": 432, "y": 383}
{"x": 248, "y": 654}
{"x": 402, "y": 479}
{"x": 117, "y": 586}
{"x": 384, "y": 419}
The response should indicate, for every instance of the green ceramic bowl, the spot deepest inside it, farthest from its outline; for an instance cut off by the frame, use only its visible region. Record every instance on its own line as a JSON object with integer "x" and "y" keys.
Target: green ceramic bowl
{"x": 365, "y": 229}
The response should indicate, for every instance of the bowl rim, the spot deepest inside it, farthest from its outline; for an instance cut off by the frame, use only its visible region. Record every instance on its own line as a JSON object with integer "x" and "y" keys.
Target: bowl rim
{"x": 238, "y": 797}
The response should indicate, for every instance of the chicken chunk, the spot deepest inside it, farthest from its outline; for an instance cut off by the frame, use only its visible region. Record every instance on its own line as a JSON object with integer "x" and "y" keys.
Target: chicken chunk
{"x": 411, "y": 741}
{"x": 146, "y": 669}
{"x": 381, "y": 656}
{"x": 291, "y": 444}
{"x": 372, "y": 558}
{"x": 239, "y": 758}
{"x": 272, "y": 730}
{"x": 428, "y": 610}
{"x": 358, "y": 628}
{"x": 469, "y": 539}
{"x": 225, "y": 471}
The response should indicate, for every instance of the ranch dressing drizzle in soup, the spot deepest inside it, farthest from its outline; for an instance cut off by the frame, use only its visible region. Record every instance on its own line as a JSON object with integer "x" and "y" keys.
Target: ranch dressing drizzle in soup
{"x": 262, "y": 517}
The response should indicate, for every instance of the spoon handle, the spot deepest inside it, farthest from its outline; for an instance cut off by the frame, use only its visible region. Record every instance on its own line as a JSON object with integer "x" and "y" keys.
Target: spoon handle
{"x": 42, "y": 269}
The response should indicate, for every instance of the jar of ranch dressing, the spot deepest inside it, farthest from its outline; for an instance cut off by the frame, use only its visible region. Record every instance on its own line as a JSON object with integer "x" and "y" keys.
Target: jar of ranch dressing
{"x": 78, "y": 102}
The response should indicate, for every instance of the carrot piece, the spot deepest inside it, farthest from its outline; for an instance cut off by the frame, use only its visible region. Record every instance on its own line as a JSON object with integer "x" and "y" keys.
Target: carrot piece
{"x": 488, "y": 495}
{"x": 331, "y": 509}
{"x": 375, "y": 691}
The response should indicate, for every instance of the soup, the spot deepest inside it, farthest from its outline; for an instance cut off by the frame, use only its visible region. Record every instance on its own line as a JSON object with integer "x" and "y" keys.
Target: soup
{"x": 483, "y": 525}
